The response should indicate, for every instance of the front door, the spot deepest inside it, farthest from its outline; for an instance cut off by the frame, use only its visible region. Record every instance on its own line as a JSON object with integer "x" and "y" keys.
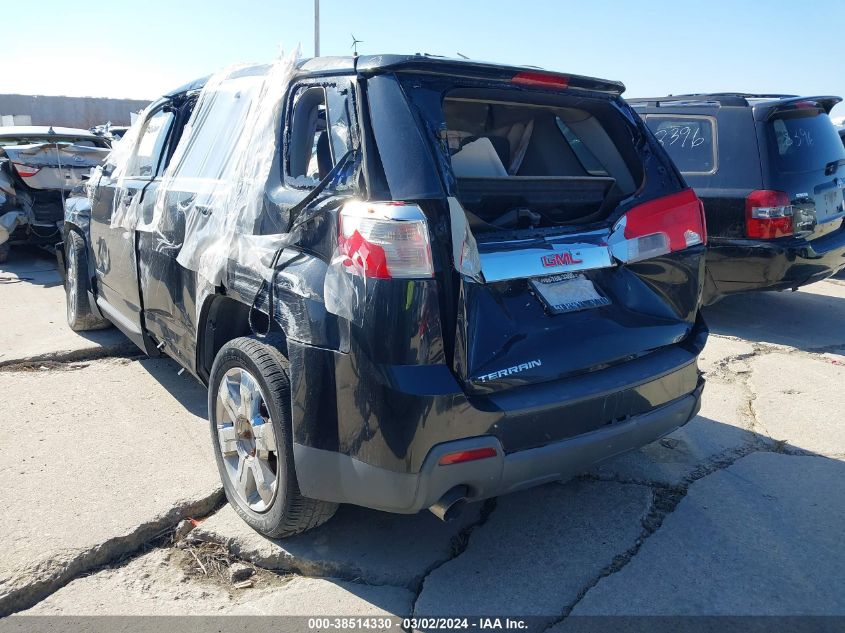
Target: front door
{"x": 115, "y": 214}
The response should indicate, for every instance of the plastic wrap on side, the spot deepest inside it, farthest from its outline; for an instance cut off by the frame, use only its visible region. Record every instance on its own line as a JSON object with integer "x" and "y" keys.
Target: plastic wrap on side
{"x": 224, "y": 159}
{"x": 464, "y": 248}
{"x": 345, "y": 288}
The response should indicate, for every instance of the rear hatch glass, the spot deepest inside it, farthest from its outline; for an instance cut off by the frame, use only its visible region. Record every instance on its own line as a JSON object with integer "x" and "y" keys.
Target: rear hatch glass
{"x": 807, "y": 160}
{"x": 541, "y": 179}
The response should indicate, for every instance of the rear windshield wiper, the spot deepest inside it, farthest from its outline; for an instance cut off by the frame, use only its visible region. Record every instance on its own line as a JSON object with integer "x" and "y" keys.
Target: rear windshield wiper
{"x": 832, "y": 166}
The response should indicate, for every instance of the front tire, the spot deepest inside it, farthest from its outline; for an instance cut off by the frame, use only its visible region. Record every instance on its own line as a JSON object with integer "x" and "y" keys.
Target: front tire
{"x": 79, "y": 315}
{"x": 249, "y": 414}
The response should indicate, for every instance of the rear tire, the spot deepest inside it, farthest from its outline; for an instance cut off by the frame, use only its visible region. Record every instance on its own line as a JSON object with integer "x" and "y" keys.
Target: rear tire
{"x": 79, "y": 315}
{"x": 248, "y": 391}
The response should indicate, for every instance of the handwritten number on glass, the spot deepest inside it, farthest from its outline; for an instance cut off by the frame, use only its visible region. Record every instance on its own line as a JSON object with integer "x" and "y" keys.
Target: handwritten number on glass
{"x": 682, "y": 136}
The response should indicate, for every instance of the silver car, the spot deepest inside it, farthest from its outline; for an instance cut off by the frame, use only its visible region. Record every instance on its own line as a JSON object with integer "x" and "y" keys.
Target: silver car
{"x": 39, "y": 165}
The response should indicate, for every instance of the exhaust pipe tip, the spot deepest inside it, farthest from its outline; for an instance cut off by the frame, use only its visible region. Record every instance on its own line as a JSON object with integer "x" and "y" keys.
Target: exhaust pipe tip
{"x": 449, "y": 506}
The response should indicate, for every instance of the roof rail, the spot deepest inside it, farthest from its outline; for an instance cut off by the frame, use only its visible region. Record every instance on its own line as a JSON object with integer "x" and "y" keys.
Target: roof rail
{"x": 739, "y": 99}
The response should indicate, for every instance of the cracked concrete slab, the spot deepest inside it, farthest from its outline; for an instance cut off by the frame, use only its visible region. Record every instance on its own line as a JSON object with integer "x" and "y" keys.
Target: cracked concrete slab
{"x": 537, "y": 550}
{"x": 158, "y": 583}
{"x": 357, "y": 543}
{"x": 808, "y": 319}
{"x": 762, "y": 537}
{"x": 800, "y": 400}
{"x": 714, "y": 357}
{"x": 32, "y": 322}
{"x": 722, "y": 429}
{"x": 95, "y": 460}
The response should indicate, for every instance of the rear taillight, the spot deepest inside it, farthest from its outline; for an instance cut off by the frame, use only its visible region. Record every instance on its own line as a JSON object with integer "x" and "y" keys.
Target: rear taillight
{"x": 25, "y": 171}
{"x": 661, "y": 226}
{"x": 768, "y": 214}
{"x": 385, "y": 240}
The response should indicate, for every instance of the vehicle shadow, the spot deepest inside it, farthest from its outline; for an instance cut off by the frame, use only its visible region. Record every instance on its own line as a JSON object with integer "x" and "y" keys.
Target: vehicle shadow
{"x": 806, "y": 319}
{"x": 184, "y": 388}
{"x": 32, "y": 265}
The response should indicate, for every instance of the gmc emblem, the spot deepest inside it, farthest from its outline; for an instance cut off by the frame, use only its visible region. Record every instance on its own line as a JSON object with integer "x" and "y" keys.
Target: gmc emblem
{"x": 559, "y": 259}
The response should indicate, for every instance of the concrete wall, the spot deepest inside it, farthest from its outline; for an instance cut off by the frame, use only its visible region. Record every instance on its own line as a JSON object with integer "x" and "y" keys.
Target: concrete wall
{"x": 81, "y": 112}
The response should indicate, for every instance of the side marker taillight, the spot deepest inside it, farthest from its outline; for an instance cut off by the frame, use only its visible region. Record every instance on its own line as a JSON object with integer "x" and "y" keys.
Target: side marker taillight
{"x": 471, "y": 455}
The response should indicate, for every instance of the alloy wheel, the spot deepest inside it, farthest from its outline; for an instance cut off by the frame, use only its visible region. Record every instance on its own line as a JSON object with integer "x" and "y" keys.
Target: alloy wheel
{"x": 247, "y": 440}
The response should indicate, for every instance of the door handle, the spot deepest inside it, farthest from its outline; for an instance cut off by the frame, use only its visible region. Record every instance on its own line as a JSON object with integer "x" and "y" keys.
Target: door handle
{"x": 185, "y": 203}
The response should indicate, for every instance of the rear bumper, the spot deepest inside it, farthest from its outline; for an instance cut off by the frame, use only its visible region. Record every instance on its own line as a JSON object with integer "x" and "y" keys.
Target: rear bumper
{"x": 335, "y": 477}
{"x": 742, "y": 265}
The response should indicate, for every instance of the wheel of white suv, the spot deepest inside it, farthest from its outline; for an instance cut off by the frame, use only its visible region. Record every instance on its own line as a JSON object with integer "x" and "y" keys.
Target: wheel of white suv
{"x": 249, "y": 412}
{"x": 79, "y": 315}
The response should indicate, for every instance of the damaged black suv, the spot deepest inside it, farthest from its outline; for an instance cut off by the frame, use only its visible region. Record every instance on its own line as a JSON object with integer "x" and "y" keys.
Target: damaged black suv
{"x": 408, "y": 282}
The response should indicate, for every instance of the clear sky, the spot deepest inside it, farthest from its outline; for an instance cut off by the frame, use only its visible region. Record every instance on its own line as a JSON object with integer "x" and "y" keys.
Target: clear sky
{"x": 121, "y": 48}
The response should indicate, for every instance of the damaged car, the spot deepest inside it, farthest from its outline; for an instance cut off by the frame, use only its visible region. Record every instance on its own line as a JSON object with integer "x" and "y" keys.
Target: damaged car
{"x": 770, "y": 170}
{"x": 408, "y": 282}
{"x": 38, "y": 168}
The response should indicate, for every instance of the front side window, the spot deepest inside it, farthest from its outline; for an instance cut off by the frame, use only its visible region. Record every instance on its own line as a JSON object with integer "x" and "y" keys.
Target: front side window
{"x": 689, "y": 141}
{"x": 146, "y": 159}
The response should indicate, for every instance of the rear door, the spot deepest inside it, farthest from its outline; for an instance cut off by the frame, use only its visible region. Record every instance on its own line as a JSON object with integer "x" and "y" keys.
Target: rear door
{"x": 806, "y": 159}
{"x": 115, "y": 214}
{"x": 168, "y": 290}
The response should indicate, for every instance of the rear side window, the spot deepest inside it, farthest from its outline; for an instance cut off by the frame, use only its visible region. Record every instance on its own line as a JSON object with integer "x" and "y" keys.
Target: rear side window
{"x": 689, "y": 140}
{"x": 800, "y": 142}
{"x": 587, "y": 159}
{"x": 320, "y": 133}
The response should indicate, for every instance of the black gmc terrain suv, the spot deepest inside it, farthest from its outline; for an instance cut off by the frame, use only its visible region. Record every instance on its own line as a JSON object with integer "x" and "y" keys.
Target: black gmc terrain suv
{"x": 770, "y": 170}
{"x": 407, "y": 281}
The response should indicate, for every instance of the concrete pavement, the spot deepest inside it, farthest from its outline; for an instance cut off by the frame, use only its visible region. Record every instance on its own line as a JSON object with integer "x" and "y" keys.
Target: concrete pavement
{"x": 96, "y": 459}
{"x": 739, "y": 512}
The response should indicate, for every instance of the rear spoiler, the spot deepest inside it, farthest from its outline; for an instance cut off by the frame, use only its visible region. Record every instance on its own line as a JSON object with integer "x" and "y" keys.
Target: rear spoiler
{"x": 525, "y": 76}
{"x": 765, "y": 111}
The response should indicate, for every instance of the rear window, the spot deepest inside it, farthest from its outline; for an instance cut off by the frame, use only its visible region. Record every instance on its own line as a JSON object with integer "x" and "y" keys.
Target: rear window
{"x": 523, "y": 160}
{"x": 689, "y": 141}
{"x": 803, "y": 141}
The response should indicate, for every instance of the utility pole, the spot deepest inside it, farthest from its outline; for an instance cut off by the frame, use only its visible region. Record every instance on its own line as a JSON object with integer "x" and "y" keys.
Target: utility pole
{"x": 316, "y": 28}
